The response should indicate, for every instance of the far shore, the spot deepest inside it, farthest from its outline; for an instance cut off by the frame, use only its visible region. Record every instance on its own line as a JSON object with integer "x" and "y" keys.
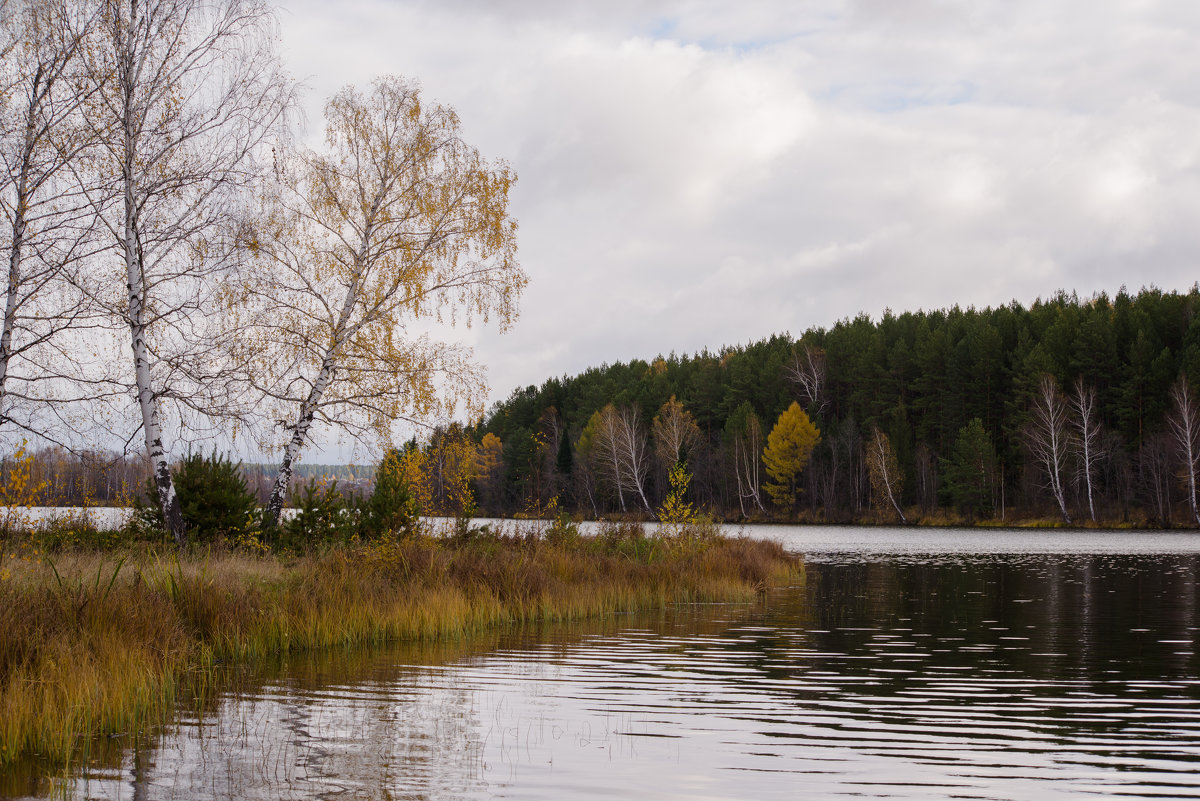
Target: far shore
{"x": 105, "y": 518}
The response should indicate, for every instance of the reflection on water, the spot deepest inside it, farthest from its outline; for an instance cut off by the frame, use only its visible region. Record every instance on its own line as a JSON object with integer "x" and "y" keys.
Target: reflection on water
{"x": 896, "y": 673}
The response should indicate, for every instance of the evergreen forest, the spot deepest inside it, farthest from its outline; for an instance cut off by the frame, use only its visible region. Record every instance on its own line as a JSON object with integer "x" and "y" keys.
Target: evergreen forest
{"x": 1079, "y": 409}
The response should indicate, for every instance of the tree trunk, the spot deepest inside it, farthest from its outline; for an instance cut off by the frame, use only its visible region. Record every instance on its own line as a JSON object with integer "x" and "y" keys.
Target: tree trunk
{"x": 14, "y": 283}
{"x": 299, "y": 437}
{"x": 20, "y": 209}
{"x": 1048, "y": 439}
{"x": 342, "y": 331}
{"x": 1184, "y": 422}
{"x": 135, "y": 284}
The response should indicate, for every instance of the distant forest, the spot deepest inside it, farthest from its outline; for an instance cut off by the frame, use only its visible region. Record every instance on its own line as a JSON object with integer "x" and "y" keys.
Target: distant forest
{"x": 1069, "y": 408}
{"x": 104, "y": 478}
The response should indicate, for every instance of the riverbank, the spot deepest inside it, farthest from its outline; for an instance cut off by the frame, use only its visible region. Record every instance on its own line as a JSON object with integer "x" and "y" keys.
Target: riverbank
{"x": 97, "y": 642}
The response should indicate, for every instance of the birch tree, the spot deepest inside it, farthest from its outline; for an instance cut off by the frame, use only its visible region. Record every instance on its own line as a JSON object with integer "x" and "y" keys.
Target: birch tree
{"x": 188, "y": 96}
{"x": 1088, "y": 439}
{"x": 1048, "y": 438}
{"x": 48, "y": 221}
{"x": 1183, "y": 422}
{"x": 744, "y": 432}
{"x": 617, "y": 441}
{"x": 675, "y": 432}
{"x": 884, "y": 470}
{"x": 807, "y": 372}
{"x": 398, "y": 223}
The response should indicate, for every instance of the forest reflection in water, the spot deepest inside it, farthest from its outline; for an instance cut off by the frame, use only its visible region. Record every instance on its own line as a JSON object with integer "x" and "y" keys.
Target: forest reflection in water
{"x": 887, "y": 675}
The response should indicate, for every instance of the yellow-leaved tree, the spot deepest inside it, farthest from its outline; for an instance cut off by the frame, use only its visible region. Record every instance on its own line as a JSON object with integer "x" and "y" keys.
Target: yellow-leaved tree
{"x": 398, "y": 223}
{"x": 789, "y": 446}
{"x": 489, "y": 471}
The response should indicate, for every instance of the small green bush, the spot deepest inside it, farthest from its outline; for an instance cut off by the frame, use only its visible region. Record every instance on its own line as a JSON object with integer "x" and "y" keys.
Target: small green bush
{"x": 391, "y": 510}
{"x": 213, "y": 499}
{"x": 323, "y": 516}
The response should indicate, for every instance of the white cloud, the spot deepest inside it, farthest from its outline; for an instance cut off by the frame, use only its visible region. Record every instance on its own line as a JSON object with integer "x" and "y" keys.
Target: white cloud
{"x": 698, "y": 173}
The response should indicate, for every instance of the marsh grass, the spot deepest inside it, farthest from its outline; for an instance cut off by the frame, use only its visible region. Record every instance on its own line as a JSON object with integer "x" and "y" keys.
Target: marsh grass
{"x": 96, "y": 642}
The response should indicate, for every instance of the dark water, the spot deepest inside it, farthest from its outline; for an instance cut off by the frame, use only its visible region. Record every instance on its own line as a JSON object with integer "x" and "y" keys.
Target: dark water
{"x": 989, "y": 665}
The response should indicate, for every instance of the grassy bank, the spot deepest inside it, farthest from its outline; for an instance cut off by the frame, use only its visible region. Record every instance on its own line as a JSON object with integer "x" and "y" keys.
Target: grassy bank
{"x": 99, "y": 642}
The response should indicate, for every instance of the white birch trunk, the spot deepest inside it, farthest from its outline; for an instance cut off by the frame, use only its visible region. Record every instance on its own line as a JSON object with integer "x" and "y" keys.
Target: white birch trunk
{"x": 1088, "y": 441}
{"x": 1048, "y": 439}
{"x": 151, "y": 425}
{"x": 136, "y": 286}
{"x": 299, "y": 438}
{"x": 343, "y": 330}
{"x": 632, "y": 453}
{"x": 746, "y": 464}
{"x": 881, "y": 463}
{"x": 884, "y": 455}
{"x": 1184, "y": 423}
{"x": 14, "y": 285}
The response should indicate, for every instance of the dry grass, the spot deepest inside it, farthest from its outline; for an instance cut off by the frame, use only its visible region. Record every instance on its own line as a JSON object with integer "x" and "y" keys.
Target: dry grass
{"x": 98, "y": 643}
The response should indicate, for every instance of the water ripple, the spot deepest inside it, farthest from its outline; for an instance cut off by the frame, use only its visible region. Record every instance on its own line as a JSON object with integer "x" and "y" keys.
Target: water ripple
{"x": 966, "y": 676}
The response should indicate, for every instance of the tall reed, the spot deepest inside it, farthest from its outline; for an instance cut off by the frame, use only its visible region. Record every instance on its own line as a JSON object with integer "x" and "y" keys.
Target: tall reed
{"x": 96, "y": 643}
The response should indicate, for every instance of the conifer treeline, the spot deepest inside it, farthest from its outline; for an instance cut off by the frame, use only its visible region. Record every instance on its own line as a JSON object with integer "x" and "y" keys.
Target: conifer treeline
{"x": 955, "y": 395}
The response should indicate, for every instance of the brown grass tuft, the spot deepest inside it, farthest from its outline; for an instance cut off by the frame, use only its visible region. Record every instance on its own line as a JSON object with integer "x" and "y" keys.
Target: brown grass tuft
{"x": 95, "y": 643}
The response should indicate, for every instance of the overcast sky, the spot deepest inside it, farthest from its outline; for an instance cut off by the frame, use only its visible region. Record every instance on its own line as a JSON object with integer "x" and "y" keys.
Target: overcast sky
{"x": 695, "y": 174}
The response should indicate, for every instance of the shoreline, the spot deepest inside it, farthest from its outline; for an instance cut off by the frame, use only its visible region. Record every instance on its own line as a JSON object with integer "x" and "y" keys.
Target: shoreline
{"x": 100, "y": 643}
{"x": 112, "y": 518}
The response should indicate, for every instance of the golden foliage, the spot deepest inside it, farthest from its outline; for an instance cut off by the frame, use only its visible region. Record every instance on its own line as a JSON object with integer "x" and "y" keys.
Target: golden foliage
{"x": 440, "y": 473}
{"x": 20, "y": 489}
{"x": 675, "y": 510}
{"x": 789, "y": 446}
{"x": 398, "y": 221}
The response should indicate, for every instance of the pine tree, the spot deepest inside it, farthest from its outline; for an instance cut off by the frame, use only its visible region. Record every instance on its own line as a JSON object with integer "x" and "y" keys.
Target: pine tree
{"x": 391, "y": 509}
{"x": 970, "y": 473}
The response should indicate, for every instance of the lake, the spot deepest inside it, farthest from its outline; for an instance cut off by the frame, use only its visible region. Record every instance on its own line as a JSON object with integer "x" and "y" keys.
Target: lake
{"x": 910, "y": 663}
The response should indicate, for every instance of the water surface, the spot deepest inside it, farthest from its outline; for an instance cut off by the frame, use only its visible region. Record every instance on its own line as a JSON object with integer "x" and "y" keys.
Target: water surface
{"x": 909, "y": 664}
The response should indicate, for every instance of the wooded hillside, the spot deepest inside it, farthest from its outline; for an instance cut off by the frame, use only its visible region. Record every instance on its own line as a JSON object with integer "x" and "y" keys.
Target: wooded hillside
{"x": 920, "y": 379}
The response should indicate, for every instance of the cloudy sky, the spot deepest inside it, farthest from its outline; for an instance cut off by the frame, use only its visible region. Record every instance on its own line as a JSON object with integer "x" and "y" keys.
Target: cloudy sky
{"x": 695, "y": 174}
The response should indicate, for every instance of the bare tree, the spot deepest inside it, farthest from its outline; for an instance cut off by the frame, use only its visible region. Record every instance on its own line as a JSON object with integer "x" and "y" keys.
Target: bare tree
{"x": 926, "y": 475}
{"x": 746, "y": 443}
{"x": 48, "y": 221}
{"x": 399, "y": 223}
{"x": 886, "y": 480}
{"x": 675, "y": 432}
{"x": 545, "y": 482}
{"x": 1155, "y": 478}
{"x": 1088, "y": 439}
{"x": 619, "y": 441}
{"x": 1048, "y": 438}
{"x": 188, "y": 96}
{"x": 807, "y": 372}
{"x": 1183, "y": 423}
